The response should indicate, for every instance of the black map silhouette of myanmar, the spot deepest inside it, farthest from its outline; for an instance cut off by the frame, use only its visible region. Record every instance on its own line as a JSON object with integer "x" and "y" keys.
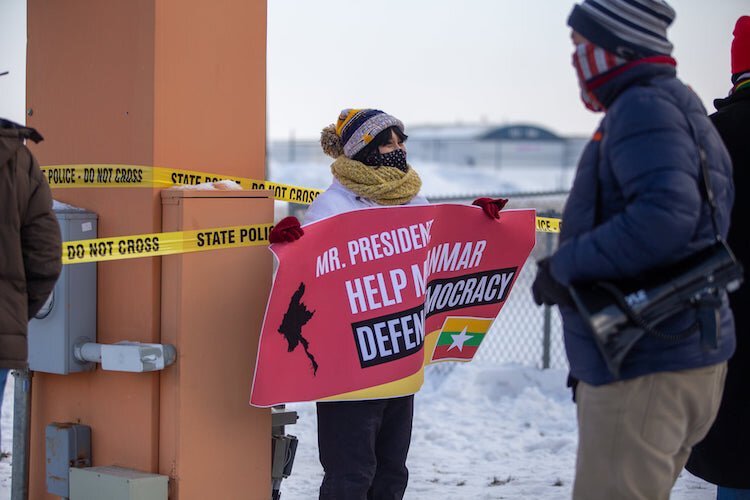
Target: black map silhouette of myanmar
{"x": 295, "y": 317}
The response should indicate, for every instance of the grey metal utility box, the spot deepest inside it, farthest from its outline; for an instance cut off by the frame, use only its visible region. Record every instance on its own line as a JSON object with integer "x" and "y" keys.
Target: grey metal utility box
{"x": 116, "y": 483}
{"x": 67, "y": 445}
{"x": 69, "y": 316}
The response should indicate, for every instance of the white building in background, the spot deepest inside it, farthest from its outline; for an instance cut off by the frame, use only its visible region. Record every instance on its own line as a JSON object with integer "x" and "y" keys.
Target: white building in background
{"x": 515, "y": 145}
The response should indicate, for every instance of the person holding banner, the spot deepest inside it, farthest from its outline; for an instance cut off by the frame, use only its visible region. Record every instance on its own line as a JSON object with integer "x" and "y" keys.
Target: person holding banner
{"x": 363, "y": 444}
{"x": 638, "y": 204}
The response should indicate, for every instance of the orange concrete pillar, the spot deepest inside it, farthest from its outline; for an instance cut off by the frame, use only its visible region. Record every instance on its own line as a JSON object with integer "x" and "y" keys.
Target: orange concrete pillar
{"x": 211, "y": 442}
{"x": 174, "y": 83}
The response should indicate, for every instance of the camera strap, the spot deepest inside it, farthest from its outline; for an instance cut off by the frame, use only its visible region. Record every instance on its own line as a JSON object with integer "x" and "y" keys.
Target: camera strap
{"x": 707, "y": 306}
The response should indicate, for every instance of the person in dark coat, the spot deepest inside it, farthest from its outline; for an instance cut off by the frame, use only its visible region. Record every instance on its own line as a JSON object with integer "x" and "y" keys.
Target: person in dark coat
{"x": 722, "y": 457}
{"x": 636, "y": 205}
{"x": 30, "y": 244}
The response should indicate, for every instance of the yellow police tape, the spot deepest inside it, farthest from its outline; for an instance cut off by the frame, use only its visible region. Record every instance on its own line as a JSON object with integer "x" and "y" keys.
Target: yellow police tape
{"x": 155, "y": 244}
{"x": 106, "y": 175}
{"x": 548, "y": 225}
{"x": 128, "y": 176}
{"x": 200, "y": 240}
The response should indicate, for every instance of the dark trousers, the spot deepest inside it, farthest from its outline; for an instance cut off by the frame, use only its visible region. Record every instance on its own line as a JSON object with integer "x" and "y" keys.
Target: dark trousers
{"x": 363, "y": 447}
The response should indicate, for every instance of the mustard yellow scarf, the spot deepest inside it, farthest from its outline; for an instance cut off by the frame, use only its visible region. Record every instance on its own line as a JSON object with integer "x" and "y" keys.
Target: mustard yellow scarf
{"x": 383, "y": 185}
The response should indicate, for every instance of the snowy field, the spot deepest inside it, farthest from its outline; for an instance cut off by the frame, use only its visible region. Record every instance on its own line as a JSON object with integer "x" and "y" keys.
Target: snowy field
{"x": 6, "y": 443}
{"x": 439, "y": 179}
{"x": 483, "y": 432}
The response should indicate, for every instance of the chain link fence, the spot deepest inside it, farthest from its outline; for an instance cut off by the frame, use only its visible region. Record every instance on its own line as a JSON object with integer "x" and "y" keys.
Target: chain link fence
{"x": 523, "y": 333}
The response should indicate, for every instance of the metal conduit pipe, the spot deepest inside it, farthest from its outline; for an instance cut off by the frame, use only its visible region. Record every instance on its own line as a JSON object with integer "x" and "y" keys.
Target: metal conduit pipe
{"x": 127, "y": 356}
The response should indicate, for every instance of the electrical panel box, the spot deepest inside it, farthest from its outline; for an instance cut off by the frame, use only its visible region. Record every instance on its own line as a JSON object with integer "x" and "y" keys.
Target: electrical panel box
{"x": 69, "y": 315}
{"x": 116, "y": 483}
{"x": 67, "y": 446}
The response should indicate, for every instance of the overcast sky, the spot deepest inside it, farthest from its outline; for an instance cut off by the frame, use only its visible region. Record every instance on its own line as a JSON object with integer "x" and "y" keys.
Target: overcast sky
{"x": 449, "y": 61}
{"x": 13, "y": 59}
{"x": 431, "y": 61}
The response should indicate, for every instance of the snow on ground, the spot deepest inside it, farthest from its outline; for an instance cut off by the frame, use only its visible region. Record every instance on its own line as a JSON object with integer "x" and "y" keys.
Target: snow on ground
{"x": 6, "y": 443}
{"x": 440, "y": 179}
{"x": 480, "y": 432}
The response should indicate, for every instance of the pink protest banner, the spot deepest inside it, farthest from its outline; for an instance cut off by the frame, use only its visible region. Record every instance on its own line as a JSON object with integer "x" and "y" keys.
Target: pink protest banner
{"x": 365, "y": 299}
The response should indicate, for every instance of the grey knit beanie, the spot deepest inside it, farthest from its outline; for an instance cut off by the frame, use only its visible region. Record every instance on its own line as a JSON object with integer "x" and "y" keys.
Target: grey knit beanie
{"x": 628, "y": 28}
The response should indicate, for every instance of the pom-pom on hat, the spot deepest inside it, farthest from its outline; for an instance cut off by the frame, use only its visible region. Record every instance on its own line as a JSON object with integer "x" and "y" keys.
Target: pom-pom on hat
{"x": 354, "y": 130}
{"x": 628, "y": 28}
{"x": 741, "y": 46}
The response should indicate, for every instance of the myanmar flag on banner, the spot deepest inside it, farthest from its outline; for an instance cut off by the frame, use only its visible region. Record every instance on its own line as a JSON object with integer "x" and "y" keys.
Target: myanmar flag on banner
{"x": 459, "y": 338}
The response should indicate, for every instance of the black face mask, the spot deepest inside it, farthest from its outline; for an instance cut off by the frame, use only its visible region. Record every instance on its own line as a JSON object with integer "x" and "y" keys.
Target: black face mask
{"x": 396, "y": 159}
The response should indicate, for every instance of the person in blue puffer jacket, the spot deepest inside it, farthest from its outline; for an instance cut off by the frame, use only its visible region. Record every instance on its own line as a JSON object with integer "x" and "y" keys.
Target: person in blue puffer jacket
{"x": 637, "y": 205}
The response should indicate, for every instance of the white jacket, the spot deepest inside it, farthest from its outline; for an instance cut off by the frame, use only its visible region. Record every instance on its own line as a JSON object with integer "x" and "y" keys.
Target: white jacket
{"x": 338, "y": 199}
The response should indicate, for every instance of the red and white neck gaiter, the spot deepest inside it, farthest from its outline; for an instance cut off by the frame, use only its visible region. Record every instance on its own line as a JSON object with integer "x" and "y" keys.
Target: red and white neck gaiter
{"x": 591, "y": 61}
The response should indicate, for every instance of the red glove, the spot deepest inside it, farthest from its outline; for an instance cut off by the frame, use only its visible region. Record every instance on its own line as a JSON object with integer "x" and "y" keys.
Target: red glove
{"x": 491, "y": 207}
{"x": 287, "y": 230}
